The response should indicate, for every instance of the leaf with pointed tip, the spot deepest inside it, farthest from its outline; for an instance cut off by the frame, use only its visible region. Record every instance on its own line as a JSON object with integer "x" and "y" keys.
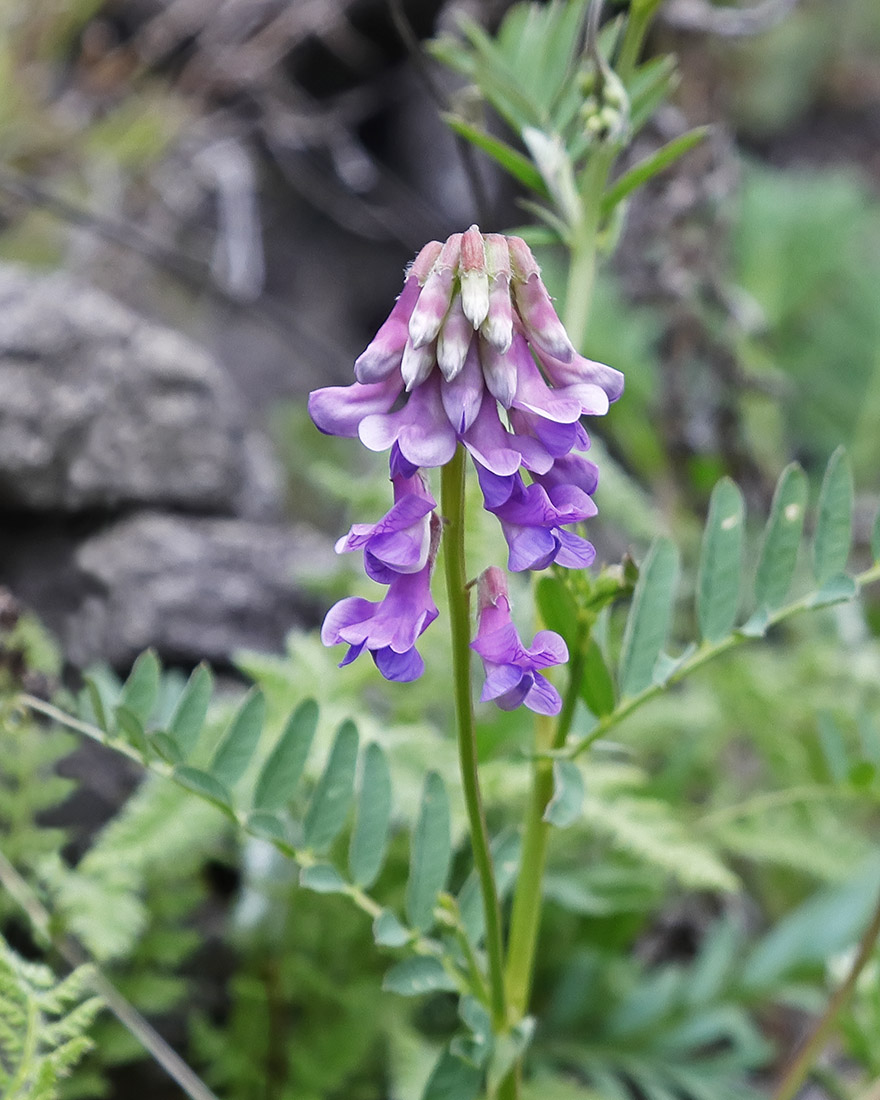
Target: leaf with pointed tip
{"x": 240, "y": 741}
{"x": 141, "y": 689}
{"x": 646, "y": 169}
{"x": 418, "y": 975}
{"x": 452, "y": 1079}
{"x": 284, "y": 767}
{"x": 557, "y": 607}
{"x": 718, "y": 582}
{"x": 333, "y": 794}
{"x": 389, "y": 932}
{"x": 370, "y": 837}
{"x": 191, "y": 710}
{"x": 204, "y": 784}
{"x": 96, "y": 702}
{"x": 431, "y": 854}
{"x": 166, "y": 747}
{"x": 323, "y": 878}
{"x": 510, "y": 159}
{"x": 267, "y": 826}
{"x": 564, "y": 808}
{"x": 648, "y": 621}
{"x": 129, "y": 723}
{"x": 833, "y": 536}
{"x": 782, "y": 538}
{"x": 597, "y": 683}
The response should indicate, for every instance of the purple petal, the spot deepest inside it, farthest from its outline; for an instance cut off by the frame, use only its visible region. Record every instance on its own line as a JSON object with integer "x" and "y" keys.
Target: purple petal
{"x": 424, "y": 324}
{"x": 530, "y": 547}
{"x": 402, "y": 668}
{"x": 496, "y": 489}
{"x": 547, "y": 649}
{"x": 354, "y": 651}
{"x": 500, "y": 372}
{"x": 572, "y": 469}
{"x": 515, "y": 698}
{"x": 578, "y": 370}
{"x": 398, "y": 465}
{"x": 501, "y": 645}
{"x": 501, "y": 680}
{"x": 574, "y": 552}
{"x": 463, "y": 395}
{"x": 543, "y": 698}
{"x": 489, "y": 443}
{"x": 535, "y": 396}
{"x": 384, "y": 352}
{"x": 421, "y": 428}
{"x": 543, "y": 328}
{"x": 339, "y": 410}
{"x": 353, "y": 609}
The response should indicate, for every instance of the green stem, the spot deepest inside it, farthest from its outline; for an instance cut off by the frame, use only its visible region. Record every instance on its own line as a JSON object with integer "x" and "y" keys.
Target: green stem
{"x": 799, "y": 1069}
{"x": 452, "y": 505}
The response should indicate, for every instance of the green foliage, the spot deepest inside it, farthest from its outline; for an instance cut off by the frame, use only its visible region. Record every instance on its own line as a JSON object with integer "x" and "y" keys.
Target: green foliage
{"x": 44, "y": 1025}
{"x": 566, "y": 106}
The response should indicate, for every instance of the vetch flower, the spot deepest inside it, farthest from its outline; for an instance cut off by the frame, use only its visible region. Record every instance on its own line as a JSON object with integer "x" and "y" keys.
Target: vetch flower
{"x": 401, "y": 540}
{"x": 512, "y": 676}
{"x": 388, "y": 629}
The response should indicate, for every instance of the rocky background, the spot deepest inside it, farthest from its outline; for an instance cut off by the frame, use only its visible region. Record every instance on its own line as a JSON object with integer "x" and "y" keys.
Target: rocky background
{"x": 206, "y": 211}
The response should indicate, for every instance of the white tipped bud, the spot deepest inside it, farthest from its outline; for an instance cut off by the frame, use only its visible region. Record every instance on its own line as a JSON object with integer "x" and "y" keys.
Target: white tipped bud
{"x": 455, "y": 338}
{"x": 475, "y": 296}
{"x": 430, "y": 309}
{"x": 500, "y": 373}
{"x": 498, "y": 326}
{"x": 417, "y": 364}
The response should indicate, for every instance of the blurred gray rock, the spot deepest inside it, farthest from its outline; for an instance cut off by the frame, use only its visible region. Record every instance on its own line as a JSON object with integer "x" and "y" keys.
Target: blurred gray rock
{"x": 194, "y": 588}
{"x": 100, "y": 409}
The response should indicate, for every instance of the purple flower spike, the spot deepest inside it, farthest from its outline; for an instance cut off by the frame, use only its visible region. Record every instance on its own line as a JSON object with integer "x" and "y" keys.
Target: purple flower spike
{"x": 463, "y": 395}
{"x": 400, "y": 541}
{"x": 512, "y": 676}
{"x": 421, "y": 428}
{"x": 339, "y": 410}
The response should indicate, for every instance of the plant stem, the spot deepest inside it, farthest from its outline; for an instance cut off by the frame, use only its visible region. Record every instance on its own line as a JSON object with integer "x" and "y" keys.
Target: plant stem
{"x": 452, "y": 504}
{"x": 797, "y": 1072}
{"x": 125, "y": 1012}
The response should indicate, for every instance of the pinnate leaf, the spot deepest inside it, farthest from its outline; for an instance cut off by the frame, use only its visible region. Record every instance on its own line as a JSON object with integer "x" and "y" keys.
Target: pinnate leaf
{"x": 204, "y": 784}
{"x": 142, "y": 686}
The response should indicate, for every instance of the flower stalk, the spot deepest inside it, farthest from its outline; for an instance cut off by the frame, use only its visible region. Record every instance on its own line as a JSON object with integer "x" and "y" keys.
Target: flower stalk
{"x": 452, "y": 506}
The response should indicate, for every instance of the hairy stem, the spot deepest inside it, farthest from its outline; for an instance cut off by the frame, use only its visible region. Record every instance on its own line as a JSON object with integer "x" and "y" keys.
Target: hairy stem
{"x": 799, "y": 1069}
{"x": 452, "y": 504}
{"x": 125, "y": 1012}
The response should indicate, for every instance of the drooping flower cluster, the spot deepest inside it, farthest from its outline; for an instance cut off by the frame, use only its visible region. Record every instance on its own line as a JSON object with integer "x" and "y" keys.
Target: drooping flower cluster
{"x": 472, "y": 353}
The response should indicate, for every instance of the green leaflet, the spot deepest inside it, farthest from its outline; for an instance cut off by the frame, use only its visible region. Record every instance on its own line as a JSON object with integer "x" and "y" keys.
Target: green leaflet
{"x": 418, "y": 975}
{"x": 646, "y": 169}
{"x": 782, "y": 538}
{"x": 323, "y": 878}
{"x": 96, "y": 701}
{"x": 648, "y": 622}
{"x": 557, "y": 607}
{"x": 130, "y": 725}
{"x": 564, "y": 808}
{"x": 204, "y": 784}
{"x": 452, "y": 1079}
{"x": 192, "y": 708}
{"x": 430, "y": 854}
{"x": 333, "y": 794}
{"x": 512, "y": 161}
{"x": 284, "y": 766}
{"x": 235, "y": 751}
{"x": 833, "y": 536}
{"x": 718, "y": 584}
{"x": 142, "y": 686}
{"x": 597, "y": 684}
{"x": 388, "y": 931}
{"x": 370, "y": 837}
